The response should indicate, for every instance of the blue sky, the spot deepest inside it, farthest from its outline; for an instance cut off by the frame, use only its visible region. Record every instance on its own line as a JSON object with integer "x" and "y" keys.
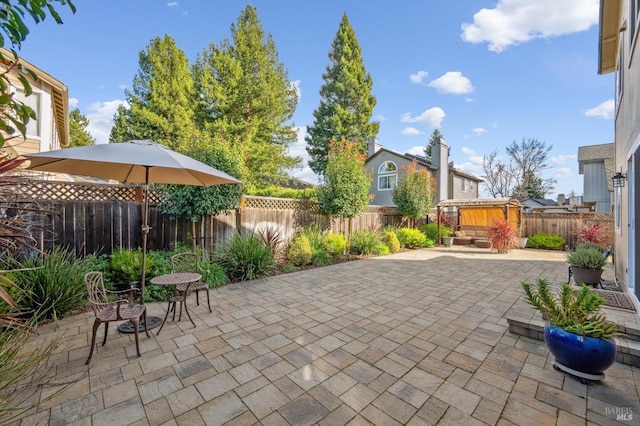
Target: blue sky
{"x": 485, "y": 73}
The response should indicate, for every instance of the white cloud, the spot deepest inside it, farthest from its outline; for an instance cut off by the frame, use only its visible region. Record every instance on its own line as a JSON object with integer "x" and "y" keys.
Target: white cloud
{"x": 468, "y": 99}
{"x": 73, "y": 102}
{"x": 472, "y": 157}
{"x": 432, "y": 117}
{"x": 173, "y": 4}
{"x": 299, "y": 149}
{"x": 564, "y": 172}
{"x": 419, "y": 77}
{"x": 452, "y": 82}
{"x": 381, "y": 117}
{"x": 561, "y": 160}
{"x": 416, "y": 150}
{"x": 479, "y": 131}
{"x": 513, "y": 22}
{"x": 101, "y": 119}
{"x": 469, "y": 167}
{"x": 411, "y": 131}
{"x": 604, "y": 110}
{"x": 296, "y": 86}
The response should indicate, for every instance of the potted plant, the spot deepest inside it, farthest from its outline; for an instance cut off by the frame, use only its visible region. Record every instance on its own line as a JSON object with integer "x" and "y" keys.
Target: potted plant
{"x": 586, "y": 263}
{"x": 502, "y": 235}
{"x": 577, "y": 333}
{"x": 522, "y": 238}
{"x": 446, "y": 235}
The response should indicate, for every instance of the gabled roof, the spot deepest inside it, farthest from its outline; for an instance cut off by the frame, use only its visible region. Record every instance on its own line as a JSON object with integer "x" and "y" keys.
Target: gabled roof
{"x": 59, "y": 96}
{"x": 423, "y": 161}
{"x": 596, "y": 154}
{"x": 609, "y": 31}
{"x": 480, "y": 202}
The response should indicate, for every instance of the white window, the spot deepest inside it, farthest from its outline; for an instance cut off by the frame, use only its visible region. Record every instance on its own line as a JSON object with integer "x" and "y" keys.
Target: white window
{"x": 466, "y": 185}
{"x": 387, "y": 176}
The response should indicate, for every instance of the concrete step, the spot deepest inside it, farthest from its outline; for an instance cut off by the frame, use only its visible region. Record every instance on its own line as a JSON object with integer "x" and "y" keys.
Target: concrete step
{"x": 628, "y": 343}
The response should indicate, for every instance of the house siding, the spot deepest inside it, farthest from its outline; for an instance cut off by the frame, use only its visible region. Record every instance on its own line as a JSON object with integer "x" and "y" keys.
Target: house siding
{"x": 595, "y": 186}
{"x": 384, "y": 197}
{"x": 627, "y": 145}
{"x": 456, "y": 188}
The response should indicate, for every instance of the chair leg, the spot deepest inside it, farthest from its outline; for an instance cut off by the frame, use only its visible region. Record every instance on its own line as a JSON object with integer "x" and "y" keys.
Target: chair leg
{"x": 106, "y": 331}
{"x": 144, "y": 318}
{"x": 96, "y": 325}
{"x": 135, "y": 330}
{"x": 208, "y": 301}
{"x": 198, "y": 297}
{"x": 165, "y": 318}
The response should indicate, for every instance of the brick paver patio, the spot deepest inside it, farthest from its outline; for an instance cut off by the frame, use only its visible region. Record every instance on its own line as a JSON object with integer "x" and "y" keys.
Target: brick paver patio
{"x": 415, "y": 338}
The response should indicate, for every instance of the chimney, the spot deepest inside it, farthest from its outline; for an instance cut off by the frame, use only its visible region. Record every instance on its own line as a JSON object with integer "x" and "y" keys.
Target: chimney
{"x": 440, "y": 161}
{"x": 373, "y": 147}
{"x": 561, "y": 199}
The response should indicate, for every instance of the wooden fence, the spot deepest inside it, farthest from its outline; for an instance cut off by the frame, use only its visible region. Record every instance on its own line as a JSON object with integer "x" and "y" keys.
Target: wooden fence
{"x": 566, "y": 224}
{"x": 101, "y": 218}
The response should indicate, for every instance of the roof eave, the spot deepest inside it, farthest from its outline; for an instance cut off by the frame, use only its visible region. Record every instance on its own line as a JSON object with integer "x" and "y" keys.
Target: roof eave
{"x": 608, "y": 36}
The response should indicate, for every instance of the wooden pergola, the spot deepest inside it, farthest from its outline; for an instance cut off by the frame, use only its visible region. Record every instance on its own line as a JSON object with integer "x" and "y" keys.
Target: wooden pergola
{"x": 479, "y": 211}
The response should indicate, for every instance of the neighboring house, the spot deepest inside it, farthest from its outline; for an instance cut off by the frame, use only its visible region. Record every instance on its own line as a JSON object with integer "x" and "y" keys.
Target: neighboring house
{"x": 385, "y": 164}
{"x": 596, "y": 163}
{"x": 530, "y": 204}
{"x": 49, "y": 100}
{"x": 618, "y": 45}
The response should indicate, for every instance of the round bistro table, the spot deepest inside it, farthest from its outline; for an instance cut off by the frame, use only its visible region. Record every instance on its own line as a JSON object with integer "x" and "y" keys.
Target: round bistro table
{"x": 177, "y": 284}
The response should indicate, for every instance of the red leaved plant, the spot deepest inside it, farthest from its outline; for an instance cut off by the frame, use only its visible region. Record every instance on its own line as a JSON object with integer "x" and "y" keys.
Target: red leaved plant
{"x": 594, "y": 233}
{"x": 502, "y": 235}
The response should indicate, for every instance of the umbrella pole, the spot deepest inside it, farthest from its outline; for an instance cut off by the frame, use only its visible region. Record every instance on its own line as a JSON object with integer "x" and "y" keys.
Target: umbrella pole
{"x": 145, "y": 231}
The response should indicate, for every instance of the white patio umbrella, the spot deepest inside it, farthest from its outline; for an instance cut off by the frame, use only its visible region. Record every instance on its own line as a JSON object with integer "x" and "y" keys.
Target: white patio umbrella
{"x": 135, "y": 161}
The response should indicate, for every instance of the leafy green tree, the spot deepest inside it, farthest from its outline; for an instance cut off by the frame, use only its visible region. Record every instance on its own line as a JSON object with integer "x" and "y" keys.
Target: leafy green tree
{"x": 345, "y": 192}
{"x": 15, "y": 115}
{"x": 244, "y": 93}
{"x": 160, "y": 102}
{"x": 78, "y": 134}
{"x": 435, "y": 137}
{"x": 194, "y": 202}
{"x": 414, "y": 193}
{"x": 346, "y": 104}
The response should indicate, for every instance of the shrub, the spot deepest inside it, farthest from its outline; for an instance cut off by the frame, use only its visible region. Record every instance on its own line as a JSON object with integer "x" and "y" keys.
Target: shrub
{"x": 300, "y": 251}
{"x": 363, "y": 242}
{"x": 546, "y": 242}
{"x": 411, "y": 238}
{"x": 315, "y": 234}
{"x": 588, "y": 256}
{"x": 334, "y": 244}
{"x": 126, "y": 266}
{"x": 273, "y": 238}
{"x": 381, "y": 250}
{"x": 430, "y": 230}
{"x": 245, "y": 257}
{"x": 390, "y": 239}
{"x": 52, "y": 284}
{"x": 502, "y": 235}
{"x": 321, "y": 258}
{"x": 593, "y": 233}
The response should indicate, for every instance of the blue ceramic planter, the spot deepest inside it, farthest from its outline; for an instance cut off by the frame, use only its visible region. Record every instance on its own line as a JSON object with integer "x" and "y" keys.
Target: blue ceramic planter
{"x": 583, "y": 354}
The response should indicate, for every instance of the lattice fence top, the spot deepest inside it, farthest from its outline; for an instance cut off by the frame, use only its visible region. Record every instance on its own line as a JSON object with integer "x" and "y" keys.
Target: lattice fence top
{"x": 587, "y": 216}
{"x": 82, "y": 191}
{"x": 76, "y": 191}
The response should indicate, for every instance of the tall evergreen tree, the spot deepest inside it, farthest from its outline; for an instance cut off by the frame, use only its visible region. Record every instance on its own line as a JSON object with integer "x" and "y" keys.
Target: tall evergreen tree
{"x": 244, "y": 93}
{"x": 435, "y": 137}
{"x": 160, "y": 101}
{"x": 78, "y": 134}
{"x": 346, "y": 104}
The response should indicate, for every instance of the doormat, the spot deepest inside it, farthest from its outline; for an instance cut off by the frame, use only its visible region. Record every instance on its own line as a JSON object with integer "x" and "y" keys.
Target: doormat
{"x": 616, "y": 299}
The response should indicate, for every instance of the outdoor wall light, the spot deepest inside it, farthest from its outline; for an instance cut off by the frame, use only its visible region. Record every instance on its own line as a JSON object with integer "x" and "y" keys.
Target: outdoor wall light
{"x": 618, "y": 180}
